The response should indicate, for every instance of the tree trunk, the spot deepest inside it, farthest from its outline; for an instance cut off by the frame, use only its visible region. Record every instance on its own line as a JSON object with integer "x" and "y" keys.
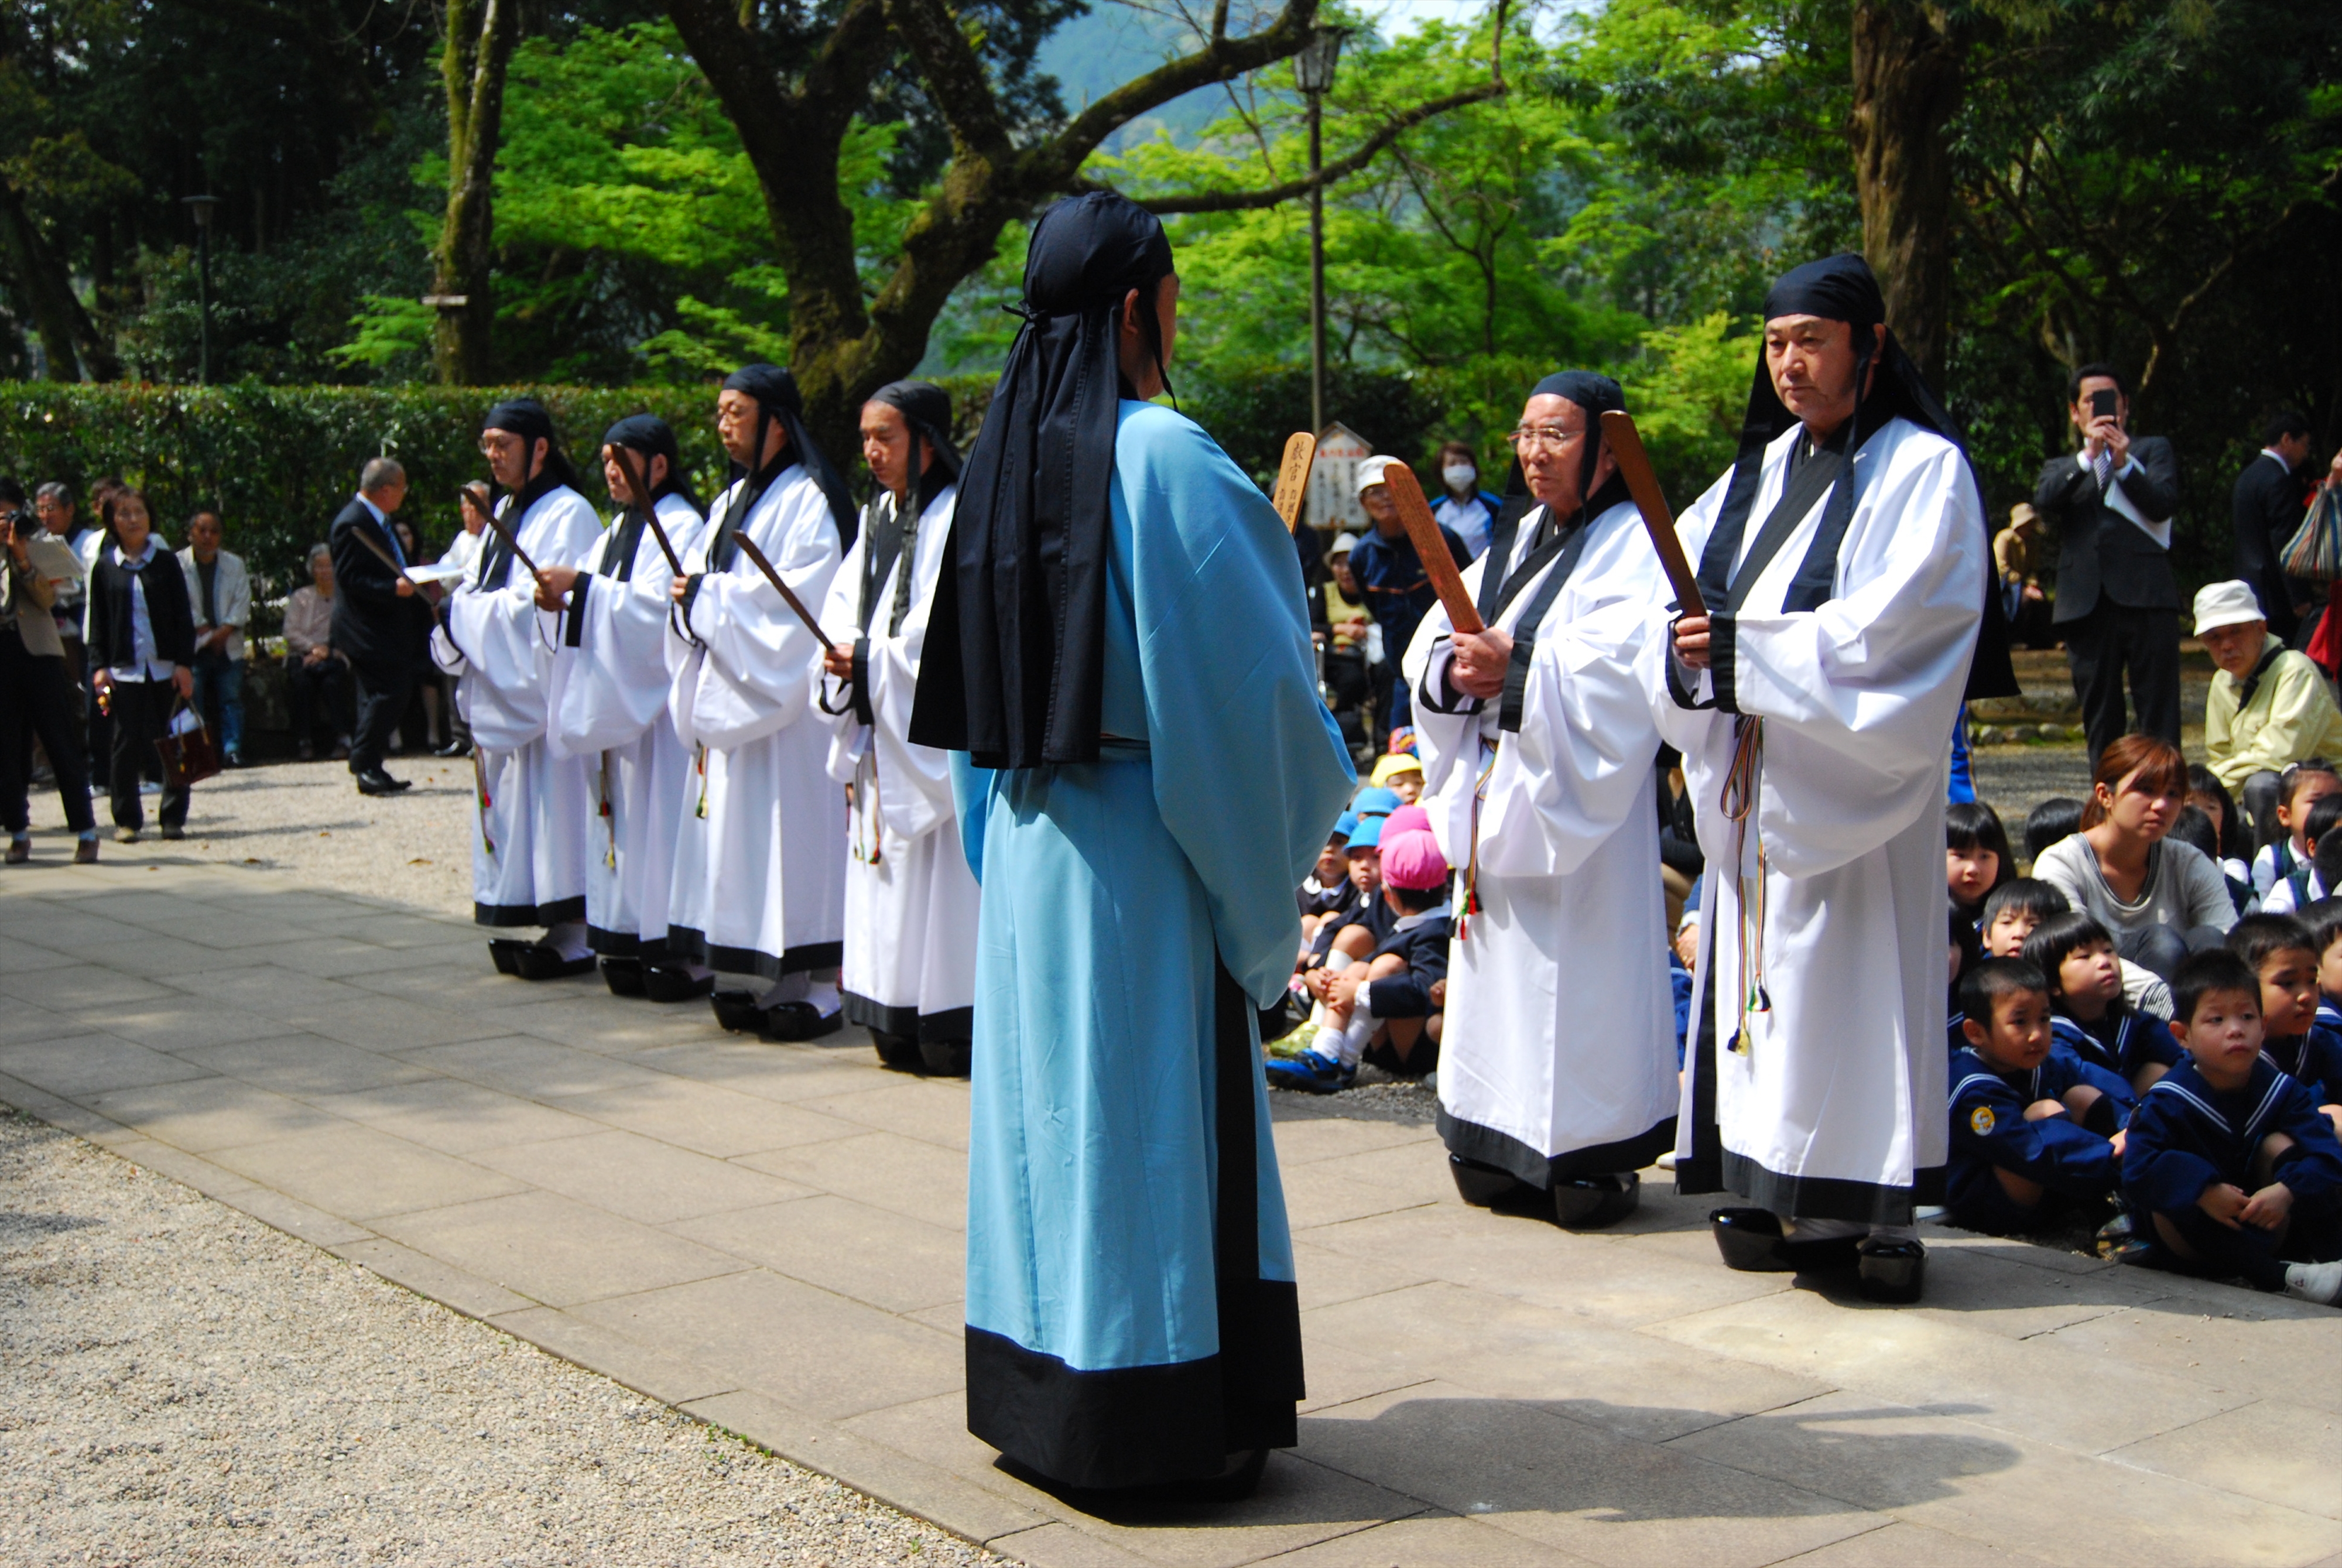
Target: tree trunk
{"x": 69, "y": 340}
{"x": 480, "y": 36}
{"x": 1906, "y": 86}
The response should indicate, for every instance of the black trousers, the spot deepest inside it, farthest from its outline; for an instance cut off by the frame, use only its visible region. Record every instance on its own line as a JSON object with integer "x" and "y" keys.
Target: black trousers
{"x": 142, "y": 711}
{"x": 37, "y": 699}
{"x": 2114, "y": 640}
{"x": 382, "y": 697}
{"x": 308, "y": 688}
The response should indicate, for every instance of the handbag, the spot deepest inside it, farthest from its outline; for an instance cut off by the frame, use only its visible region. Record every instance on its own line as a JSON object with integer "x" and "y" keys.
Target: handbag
{"x": 2314, "y": 552}
{"x": 188, "y": 754}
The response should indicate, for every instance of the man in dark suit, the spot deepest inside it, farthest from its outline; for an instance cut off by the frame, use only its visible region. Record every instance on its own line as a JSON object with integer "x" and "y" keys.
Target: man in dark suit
{"x": 2111, "y": 506}
{"x": 381, "y": 624}
{"x": 2267, "y": 506}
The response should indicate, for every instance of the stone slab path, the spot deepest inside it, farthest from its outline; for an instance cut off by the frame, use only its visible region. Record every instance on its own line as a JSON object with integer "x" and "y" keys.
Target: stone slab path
{"x": 768, "y": 1237}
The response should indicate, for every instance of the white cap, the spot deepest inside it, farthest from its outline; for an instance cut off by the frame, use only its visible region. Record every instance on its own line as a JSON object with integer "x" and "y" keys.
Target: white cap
{"x": 1370, "y": 471}
{"x": 2229, "y": 604}
{"x": 1341, "y": 545}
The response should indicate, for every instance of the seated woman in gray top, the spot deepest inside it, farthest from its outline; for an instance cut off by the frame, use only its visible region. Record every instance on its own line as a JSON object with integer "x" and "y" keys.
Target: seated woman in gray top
{"x": 2160, "y": 898}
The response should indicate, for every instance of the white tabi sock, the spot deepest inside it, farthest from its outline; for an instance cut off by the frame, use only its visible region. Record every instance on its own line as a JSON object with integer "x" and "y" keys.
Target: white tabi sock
{"x": 788, "y": 988}
{"x": 1822, "y": 1230}
{"x": 568, "y": 939}
{"x": 821, "y": 992}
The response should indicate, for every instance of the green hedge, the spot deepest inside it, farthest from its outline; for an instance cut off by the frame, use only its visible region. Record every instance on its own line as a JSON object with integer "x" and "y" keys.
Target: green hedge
{"x": 277, "y": 462}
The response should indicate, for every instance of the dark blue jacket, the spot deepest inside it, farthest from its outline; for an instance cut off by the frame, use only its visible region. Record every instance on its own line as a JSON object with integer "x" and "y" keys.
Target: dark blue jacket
{"x": 2122, "y": 1041}
{"x": 1424, "y": 945}
{"x": 1399, "y": 591}
{"x": 2186, "y": 1136}
{"x": 2314, "y": 1059}
{"x": 1989, "y": 1128}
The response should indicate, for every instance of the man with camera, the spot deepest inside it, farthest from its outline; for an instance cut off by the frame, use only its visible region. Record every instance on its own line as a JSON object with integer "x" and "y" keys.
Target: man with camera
{"x": 36, "y": 698}
{"x": 2112, "y": 505}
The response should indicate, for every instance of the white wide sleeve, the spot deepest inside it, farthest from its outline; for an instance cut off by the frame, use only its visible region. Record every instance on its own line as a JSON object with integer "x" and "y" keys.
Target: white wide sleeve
{"x": 915, "y": 782}
{"x": 756, "y": 674}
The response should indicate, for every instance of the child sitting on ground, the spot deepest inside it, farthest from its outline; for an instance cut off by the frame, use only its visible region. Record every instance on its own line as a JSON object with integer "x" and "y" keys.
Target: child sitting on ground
{"x": 2286, "y": 956}
{"x": 1328, "y": 889}
{"x": 2197, "y": 829}
{"x": 1401, "y": 773}
{"x": 2299, "y": 789}
{"x": 1389, "y": 1010}
{"x": 2307, "y": 882}
{"x": 1975, "y": 856}
{"x": 2030, "y": 1120}
{"x": 2077, "y": 956}
{"x": 2020, "y": 905}
{"x": 2058, "y": 817}
{"x": 2226, "y": 1156}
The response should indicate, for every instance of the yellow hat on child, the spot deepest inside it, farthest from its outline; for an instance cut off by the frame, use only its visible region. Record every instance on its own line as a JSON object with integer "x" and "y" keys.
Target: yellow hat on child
{"x": 1391, "y": 766}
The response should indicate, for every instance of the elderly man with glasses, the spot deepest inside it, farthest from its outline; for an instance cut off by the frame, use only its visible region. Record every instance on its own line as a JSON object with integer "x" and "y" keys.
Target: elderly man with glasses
{"x": 2269, "y": 706}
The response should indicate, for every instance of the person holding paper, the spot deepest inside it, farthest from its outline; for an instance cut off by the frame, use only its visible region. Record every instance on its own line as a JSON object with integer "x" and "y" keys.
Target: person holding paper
{"x": 760, "y": 861}
{"x": 382, "y": 625}
{"x": 1845, "y": 567}
{"x": 609, "y": 700}
{"x": 909, "y": 970}
{"x": 1559, "y": 1066}
{"x": 530, "y": 833}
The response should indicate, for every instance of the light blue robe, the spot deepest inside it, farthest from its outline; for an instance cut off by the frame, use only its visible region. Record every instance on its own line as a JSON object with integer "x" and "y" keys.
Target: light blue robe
{"x": 1113, "y": 894}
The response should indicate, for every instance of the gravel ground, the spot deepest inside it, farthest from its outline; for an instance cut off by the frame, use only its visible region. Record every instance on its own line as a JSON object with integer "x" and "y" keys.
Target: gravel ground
{"x": 182, "y": 1384}
{"x": 309, "y": 818}
{"x": 2015, "y": 779}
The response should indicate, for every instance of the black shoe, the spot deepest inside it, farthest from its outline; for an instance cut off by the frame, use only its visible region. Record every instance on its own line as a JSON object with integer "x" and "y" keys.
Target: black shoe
{"x": 1892, "y": 1273}
{"x": 674, "y": 982}
{"x": 800, "y": 1021}
{"x": 737, "y": 1011}
{"x": 375, "y": 782}
{"x": 1751, "y": 1242}
{"x": 946, "y": 1058}
{"x": 505, "y": 952}
{"x": 623, "y": 975}
{"x": 535, "y": 961}
{"x": 896, "y": 1051}
{"x": 1590, "y": 1202}
{"x": 454, "y": 749}
{"x": 1482, "y": 1186}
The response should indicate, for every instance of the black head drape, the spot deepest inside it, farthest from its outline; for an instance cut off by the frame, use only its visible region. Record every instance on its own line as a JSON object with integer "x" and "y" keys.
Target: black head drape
{"x": 926, "y": 409}
{"x": 1595, "y": 395}
{"x": 1843, "y": 289}
{"x": 650, "y": 436}
{"x": 528, "y": 419}
{"x": 778, "y": 401}
{"x": 1013, "y": 668}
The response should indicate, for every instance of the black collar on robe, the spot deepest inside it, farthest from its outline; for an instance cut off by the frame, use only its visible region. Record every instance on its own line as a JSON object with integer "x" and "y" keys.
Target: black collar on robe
{"x": 1839, "y": 288}
{"x": 1014, "y": 666}
{"x": 526, "y": 418}
{"x": 1595, "y": 395}
{"x": 642, "y": 436}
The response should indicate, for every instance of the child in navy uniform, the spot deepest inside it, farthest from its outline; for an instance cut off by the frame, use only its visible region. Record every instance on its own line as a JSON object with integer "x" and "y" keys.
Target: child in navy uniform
{"x": 2311, "y": 877}
{"x": 2286, "y": 956}
{"x": 2031, "y": 1122}
{"x": 2227, "y": 1154}
{"x": 2011, "y": 911}
{"x": 2299, "y": 789}
{"x": 2077, "y": 955}
{"x": 1388, "y": 1010}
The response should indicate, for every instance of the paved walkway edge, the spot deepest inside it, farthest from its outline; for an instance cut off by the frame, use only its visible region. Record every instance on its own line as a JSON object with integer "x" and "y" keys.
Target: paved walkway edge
{"x": 898, "y": 1481}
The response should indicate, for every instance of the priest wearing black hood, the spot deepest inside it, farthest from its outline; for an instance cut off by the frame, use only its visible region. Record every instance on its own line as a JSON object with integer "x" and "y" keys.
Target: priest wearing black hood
{"x": 1846, "y": 569}
{"x": 1558, "y": 1069}
{"x": 760, "y": 861}
{"x": 530, "y": 832}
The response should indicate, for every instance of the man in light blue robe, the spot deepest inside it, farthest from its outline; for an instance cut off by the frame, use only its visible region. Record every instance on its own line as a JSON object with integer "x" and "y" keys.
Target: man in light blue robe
{"x": 1121, "y": 645}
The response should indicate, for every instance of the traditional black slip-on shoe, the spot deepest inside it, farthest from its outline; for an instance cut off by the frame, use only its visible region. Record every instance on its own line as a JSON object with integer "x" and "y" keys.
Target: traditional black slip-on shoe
{"x": 624, "y": 976}
{"x": 1751, "y": 1242}
{"x": 946, "y": 1058}
{"x": 1893, "y": 1273}
{"x": 898, "y": 1051}
{"x": 1482, "y": 1186}
{"x": 737, "y": 1011}
{"x": 505, "y": 953}
{"x": 1590, "y": 1202}
{"x": 800, "y": 1021}
{"x": 535, "y": 962}
{"x": 674, "y": 982}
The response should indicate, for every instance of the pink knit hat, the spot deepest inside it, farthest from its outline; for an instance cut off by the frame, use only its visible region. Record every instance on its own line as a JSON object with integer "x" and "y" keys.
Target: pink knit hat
{"x": 1412, "y": 859}
{"x": 1406, "y": 819}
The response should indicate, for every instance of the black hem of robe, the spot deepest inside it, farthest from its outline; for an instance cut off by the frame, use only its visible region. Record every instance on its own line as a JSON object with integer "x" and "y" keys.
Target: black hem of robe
{"x": 952, "y": 1024}
{"x": 1506, "y": 1153}
{"x": 626, "y": 944}
{"x": 1117, "y": 1427}
{"x": 555, "y": 913}
{"x": 693, "y": 946}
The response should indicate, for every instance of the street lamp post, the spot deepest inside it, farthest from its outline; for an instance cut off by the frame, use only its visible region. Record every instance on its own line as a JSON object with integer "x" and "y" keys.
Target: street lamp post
{"x": 203, "y": 208}
{"x": 1313, "y": 73}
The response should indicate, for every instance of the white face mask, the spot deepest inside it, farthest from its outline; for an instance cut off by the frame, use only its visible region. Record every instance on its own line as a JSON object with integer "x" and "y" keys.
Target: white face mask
{"x": 1459, "y": 476}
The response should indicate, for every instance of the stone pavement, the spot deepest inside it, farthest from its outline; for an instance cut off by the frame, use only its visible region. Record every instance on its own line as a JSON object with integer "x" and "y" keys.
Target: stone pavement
{"x": 769, "y": 1238}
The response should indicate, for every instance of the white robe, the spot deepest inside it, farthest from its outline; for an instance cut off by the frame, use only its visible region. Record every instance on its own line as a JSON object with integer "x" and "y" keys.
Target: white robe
{"x": 609, "y": 706}
{"x": 760, "y": 853}
{"x": 1830, "y": 1104}
{"x": 910, "y": 899}
{"x": 1558, "y": 1056}
{"x": 529, "y": 830}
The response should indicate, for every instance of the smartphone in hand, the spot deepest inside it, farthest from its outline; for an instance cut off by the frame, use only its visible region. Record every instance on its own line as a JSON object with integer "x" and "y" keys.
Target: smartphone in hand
{"x": 2105, "y": 403}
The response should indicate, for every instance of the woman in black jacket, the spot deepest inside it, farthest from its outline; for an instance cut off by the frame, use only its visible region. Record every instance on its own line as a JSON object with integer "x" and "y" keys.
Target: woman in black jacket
{"x": 141, "y": 638}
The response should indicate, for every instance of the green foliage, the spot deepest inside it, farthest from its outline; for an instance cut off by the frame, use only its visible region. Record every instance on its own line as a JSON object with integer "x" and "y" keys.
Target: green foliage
{"x": 278, "y": 461}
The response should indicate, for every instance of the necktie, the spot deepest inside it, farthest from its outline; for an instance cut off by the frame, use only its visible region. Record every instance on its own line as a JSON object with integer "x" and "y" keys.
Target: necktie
{"x": 396, "y": 554}
{"x": 2103, "y": 466}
